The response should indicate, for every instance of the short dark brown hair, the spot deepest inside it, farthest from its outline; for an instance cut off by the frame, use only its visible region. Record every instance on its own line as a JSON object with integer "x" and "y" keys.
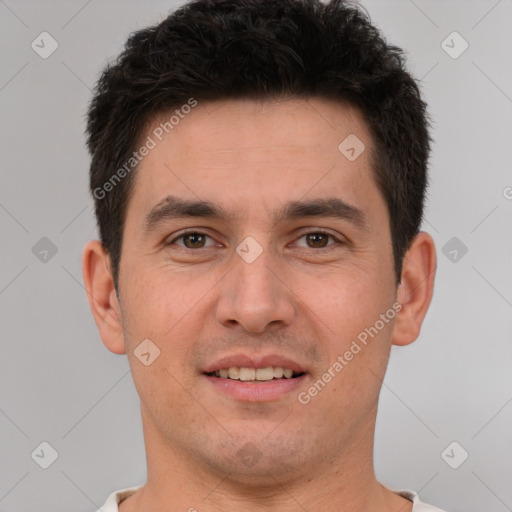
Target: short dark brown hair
{"x": 220, "y": 49}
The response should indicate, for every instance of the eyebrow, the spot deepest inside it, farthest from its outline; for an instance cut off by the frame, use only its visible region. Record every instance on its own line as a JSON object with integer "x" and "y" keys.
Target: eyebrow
{"x": 173, "y": 207}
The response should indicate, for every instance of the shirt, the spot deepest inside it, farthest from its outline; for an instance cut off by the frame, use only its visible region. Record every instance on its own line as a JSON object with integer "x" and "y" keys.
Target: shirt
{"x": 111, "y": 505}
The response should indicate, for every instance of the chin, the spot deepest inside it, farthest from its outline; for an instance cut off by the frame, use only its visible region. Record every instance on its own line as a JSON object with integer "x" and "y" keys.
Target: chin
{"x": 254, "y": 460}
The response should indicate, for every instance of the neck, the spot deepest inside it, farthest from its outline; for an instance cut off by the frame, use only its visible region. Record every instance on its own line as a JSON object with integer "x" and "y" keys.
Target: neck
{"x": 344, "y": 483}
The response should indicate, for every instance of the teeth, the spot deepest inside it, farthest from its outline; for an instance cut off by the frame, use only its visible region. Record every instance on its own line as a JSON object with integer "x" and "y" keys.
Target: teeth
{"x": 265, "y": 373}
{"x": 278, "y": 372}
{"x": 234, "y": 373}
{"x": 254, "y": 374}
{"x": 247, "y": 374}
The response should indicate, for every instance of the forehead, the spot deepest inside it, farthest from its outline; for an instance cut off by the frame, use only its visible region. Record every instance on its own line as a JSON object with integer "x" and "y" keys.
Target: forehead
{"x": 304, "y": 124}
{"x": 254, "y": 152}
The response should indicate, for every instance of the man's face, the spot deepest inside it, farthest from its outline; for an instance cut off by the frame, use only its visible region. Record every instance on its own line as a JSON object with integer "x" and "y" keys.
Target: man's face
{"x": 269, "y": 285}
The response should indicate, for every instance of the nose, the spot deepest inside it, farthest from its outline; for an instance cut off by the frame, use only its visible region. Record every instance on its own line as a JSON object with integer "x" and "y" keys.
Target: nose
{"x": 255, "y": 295}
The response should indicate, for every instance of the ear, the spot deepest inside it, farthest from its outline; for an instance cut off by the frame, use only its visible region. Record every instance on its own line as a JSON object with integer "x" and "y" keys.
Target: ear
{"x": 101, "y": 293}
{"x": 415, "y": 289}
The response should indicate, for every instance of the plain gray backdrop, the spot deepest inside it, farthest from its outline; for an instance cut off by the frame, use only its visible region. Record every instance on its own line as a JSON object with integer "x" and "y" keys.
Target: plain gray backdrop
{"x": 60, "y": 385}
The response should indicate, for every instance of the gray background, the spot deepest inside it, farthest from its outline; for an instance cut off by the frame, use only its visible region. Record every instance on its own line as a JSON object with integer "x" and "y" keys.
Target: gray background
{"x": 60, "y": 385}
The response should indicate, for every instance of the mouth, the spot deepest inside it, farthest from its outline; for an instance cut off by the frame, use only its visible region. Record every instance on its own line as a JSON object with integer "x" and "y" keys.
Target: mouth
{"x": 255, "y": 378}
{"x": 255, "y": 375}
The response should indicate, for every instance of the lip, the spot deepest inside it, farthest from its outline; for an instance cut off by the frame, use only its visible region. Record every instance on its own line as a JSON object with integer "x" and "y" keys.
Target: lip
{"x": 254, "y": 361}
{"x": 264, "y": 391}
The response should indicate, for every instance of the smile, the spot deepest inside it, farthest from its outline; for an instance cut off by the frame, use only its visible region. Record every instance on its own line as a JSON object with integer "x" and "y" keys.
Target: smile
{"x": 255, "y": 374}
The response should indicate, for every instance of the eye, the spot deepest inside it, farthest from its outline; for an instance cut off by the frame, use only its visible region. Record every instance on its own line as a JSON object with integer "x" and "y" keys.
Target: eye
{"x": 192, "y": 240}
{"x": 317, "y": 239}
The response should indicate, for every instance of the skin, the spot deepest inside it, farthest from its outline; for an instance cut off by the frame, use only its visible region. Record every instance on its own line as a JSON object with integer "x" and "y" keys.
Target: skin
{"x": 306, "y": 301}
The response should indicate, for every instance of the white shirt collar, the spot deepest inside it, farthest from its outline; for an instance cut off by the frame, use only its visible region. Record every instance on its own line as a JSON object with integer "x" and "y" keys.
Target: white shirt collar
{"x": 112, "y": 503}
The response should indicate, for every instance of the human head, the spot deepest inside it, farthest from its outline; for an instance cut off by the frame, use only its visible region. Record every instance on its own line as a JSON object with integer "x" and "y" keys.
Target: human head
{"x": 259, "y": 49}
{"x": 266, "y": 166}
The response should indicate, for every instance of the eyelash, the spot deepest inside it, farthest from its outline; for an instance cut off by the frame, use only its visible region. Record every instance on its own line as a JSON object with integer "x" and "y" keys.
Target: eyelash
{"x": 195, "y": 232}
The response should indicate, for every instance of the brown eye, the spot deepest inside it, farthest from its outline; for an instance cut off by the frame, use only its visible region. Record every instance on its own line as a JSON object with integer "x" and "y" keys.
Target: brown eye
{"x": 192, "y": 240}
{"x": 317, "y": 240}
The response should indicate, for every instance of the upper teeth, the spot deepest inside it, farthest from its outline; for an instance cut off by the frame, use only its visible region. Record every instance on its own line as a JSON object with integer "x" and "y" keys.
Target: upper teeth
{"x": 242, "y": 373}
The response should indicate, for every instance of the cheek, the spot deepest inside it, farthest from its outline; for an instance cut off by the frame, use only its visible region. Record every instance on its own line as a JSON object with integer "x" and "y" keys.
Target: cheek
{"x": 357, "y": 343}
{"x": 345, "y": 300}
{"x": 169, "y": 307}
{"x": 346, "y": 310}
{"x": 163, "y": 305}
{"x": 158, "y": 299}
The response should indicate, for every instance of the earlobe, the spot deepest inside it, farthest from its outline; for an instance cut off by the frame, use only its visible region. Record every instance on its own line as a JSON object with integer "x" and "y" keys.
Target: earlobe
{"x": 102, "y": 297}
{"x": 416, "y": 289}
